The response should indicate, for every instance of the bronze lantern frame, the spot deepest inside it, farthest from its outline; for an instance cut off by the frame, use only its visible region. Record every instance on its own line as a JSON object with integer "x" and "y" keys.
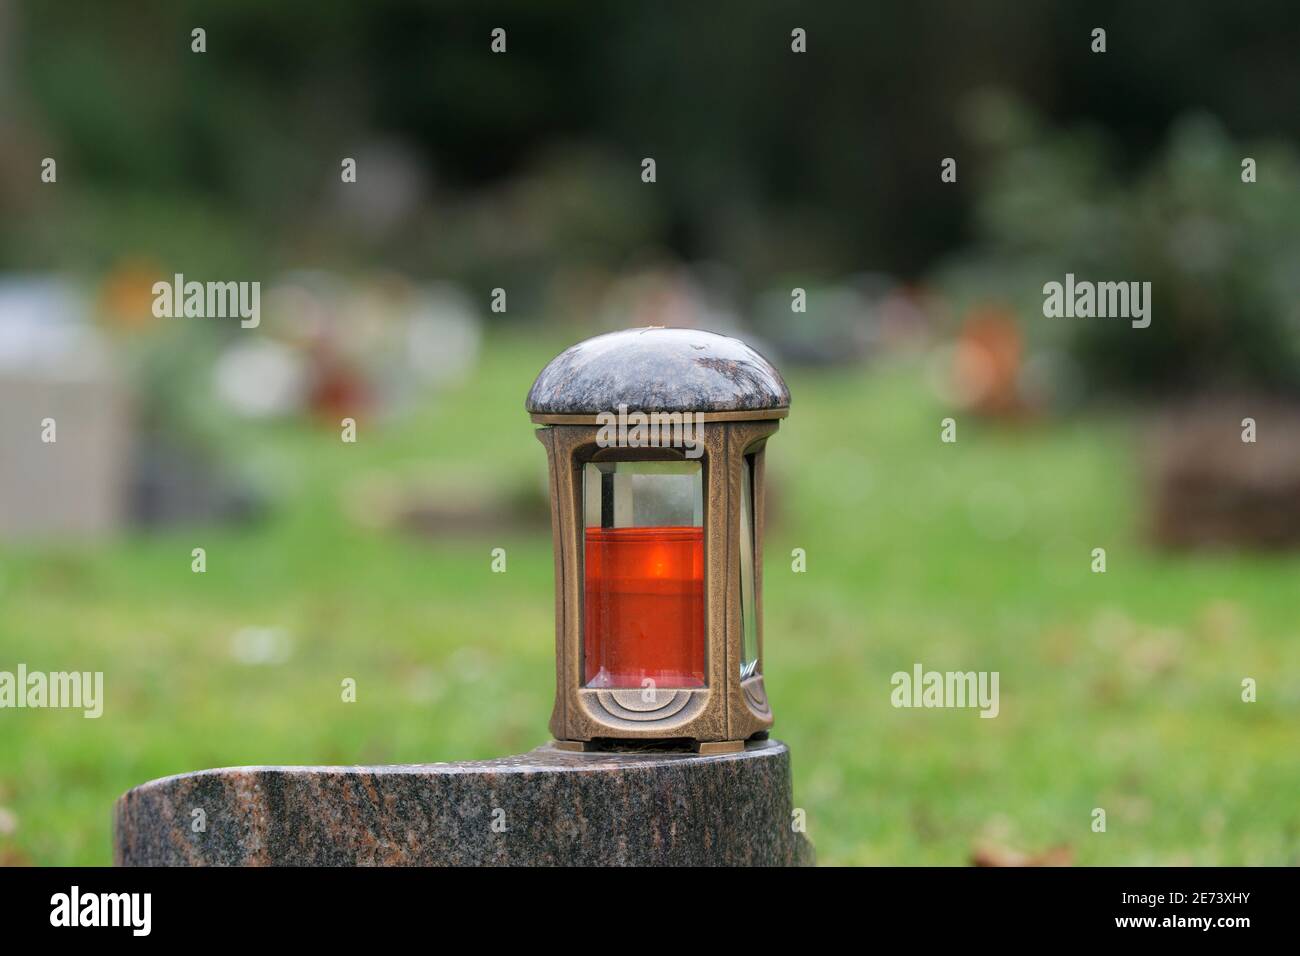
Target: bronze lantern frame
{"x": 728, "y": 710}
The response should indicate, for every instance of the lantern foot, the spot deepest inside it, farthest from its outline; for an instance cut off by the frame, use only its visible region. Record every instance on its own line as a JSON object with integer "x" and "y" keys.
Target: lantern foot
{"x": 707, "y": 747}
{"x": 575, "y": 746}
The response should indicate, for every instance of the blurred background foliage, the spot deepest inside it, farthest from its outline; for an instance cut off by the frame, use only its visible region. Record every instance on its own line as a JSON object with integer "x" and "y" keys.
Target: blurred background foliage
{"x": 1223, "y": 260}
{"x": 521, "y": 172}
{"x": 771, "y": 163}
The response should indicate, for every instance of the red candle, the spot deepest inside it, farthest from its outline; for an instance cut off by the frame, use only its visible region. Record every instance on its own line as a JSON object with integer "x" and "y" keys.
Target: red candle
{"x": 644, "y": 607}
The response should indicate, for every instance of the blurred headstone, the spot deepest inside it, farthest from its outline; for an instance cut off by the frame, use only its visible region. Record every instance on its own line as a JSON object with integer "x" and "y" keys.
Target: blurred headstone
{"x": 54, "y": 368}
{"x": 1208, "y": 487}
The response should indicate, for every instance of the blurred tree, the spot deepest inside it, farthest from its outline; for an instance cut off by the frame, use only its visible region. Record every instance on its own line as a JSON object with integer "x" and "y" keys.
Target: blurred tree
{"x": 1222, "y": 255}
{"x": 819, "y": 163}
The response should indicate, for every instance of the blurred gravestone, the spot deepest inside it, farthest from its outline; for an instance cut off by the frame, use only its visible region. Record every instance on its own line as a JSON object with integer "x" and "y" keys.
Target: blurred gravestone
{"x": 1209, "y": 488}
{"x": 54, "y": 366}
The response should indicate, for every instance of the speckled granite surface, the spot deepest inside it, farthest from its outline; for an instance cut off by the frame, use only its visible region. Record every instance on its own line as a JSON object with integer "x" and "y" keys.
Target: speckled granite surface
{"x": 546, "y": 807}
{"x": 658, "y": 369}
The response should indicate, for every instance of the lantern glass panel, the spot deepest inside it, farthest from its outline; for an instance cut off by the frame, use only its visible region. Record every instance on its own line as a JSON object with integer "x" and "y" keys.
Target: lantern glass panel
{"x": 748, "y": 561}
{"x": 643, "y": 573}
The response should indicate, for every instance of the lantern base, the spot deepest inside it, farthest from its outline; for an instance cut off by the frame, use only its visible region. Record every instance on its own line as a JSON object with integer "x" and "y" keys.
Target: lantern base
{"x": 703, "y": 747}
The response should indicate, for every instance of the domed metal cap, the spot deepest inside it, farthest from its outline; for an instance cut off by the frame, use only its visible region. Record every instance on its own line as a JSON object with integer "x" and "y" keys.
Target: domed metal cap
{"x": 659, "y": 370}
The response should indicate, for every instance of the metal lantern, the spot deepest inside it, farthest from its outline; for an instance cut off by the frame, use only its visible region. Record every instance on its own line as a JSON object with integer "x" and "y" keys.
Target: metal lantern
{"x": 656, "y": 439}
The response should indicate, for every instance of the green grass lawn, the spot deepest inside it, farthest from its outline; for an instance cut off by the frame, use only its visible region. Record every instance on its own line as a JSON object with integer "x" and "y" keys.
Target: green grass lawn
{"x": 1119, "y": 690}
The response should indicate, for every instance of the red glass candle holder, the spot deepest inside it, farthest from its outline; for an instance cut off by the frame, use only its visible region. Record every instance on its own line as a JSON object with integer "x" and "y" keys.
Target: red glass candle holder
{"x": 644, "y": 607}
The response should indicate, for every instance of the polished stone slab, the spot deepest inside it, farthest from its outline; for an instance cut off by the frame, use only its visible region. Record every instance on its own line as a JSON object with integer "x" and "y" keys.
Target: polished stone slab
{"x": 547, "y": 807}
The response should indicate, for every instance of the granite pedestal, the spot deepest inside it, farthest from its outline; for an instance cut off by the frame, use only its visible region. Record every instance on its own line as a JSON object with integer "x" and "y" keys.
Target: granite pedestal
{"x": 544, "y": 808}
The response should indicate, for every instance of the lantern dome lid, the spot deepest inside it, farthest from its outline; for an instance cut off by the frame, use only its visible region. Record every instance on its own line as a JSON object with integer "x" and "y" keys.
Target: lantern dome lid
{"x": 658, "y": 369}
